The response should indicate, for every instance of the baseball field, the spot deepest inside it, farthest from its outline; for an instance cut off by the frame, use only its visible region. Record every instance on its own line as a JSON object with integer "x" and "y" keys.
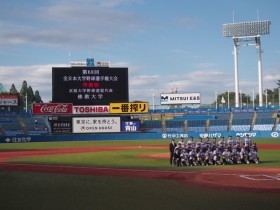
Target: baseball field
{"x": 131, "y": 175}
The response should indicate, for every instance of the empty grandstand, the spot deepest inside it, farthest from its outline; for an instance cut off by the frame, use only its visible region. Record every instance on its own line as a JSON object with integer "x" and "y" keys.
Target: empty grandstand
{"x": 212, "y": 121}
{"x": 16, "y": 124}
{"x": 264, "y": 121}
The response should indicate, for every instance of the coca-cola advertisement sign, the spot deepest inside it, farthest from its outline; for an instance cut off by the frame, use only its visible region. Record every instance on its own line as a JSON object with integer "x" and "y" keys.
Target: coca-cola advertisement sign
{"x": 52, "y": 108}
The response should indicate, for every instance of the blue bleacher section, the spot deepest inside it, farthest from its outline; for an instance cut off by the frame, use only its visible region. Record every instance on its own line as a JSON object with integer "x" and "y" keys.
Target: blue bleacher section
{"x": 218, "y": 128}
{"x": 222, "y": 116}
{"x": 196, "y": 125}
{"x": 174, "y": 126}
{"x": 240, "y": 128}
{"x": 241, "y": 124}
{"x": 179, "y": 121}
{"x": 35, "y": 125}
{"x": 10, "y": 125}
{"x": 264, "y": 121}
{"x": 153, "y": 126}
{"x": 219, "y": 121}
{"x": 14, "y": 125}
{"x": 218, "y": 125}
{"x": 195, "y": 117}
{"x": 243, "y": 115}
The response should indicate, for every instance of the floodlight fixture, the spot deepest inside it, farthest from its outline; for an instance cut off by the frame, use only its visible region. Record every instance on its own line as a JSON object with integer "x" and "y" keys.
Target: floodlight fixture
{"x": 245, "y": 29}
{"x": 247, "y": 34}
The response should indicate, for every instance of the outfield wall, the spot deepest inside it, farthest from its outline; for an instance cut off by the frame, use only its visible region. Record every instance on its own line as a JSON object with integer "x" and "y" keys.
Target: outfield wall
{"x": 134, "y": 136}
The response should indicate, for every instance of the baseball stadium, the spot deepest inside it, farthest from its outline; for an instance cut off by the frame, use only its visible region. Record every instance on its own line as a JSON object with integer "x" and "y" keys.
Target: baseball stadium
{"x": 93, "y": 148}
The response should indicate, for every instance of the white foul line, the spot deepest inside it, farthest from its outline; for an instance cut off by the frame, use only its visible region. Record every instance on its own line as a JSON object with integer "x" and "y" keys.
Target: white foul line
{"x": 268, "y": 178}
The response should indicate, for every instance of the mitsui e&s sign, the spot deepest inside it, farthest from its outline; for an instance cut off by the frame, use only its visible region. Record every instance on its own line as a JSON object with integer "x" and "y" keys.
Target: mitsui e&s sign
{"x": 176, "y": 98}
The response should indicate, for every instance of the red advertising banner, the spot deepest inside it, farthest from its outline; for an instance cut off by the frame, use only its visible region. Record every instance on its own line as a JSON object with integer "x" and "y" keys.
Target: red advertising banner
{"x": 2, "y": 96}
{"x": 52, "y": 108}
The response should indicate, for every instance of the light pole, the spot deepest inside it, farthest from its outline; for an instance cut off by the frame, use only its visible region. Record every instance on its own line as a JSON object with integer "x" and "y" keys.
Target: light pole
{"x": 247, "y": 34}
{"x": 153, "y": 102}
{"x": 266, "y": 98}
{"x": 216, "y": 95}
{"x": 228, "y": 99}
{"x": 26, "y": 102}
{"x": 279, "y": 98}
{"x": 253, "y": 99}
{"x": 240, "y": 99}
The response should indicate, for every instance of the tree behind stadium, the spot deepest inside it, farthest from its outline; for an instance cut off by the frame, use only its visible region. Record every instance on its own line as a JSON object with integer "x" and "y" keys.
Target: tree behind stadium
{"x": 26, "y": 92}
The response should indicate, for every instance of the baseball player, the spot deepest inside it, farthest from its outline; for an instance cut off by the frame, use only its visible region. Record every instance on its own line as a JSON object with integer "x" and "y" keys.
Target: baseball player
{"x": 214, "y": 144}
{"x": 200, "y": 142}
{"x": 182, "y": 142}
{"x": 177, "y": 157}
{"x": 254, "y": 145}
{"x": 239, "y": 140}
{"x": 230, "y": 142}
{"x": 217, "y": 156}
{"x": 222, "y": 141}
{"x": 253, "y": 156}
{"x": 243, "y": 156}
{"x": 192, "y": 157}
{"x": 226, "y": 156}
{"x": 207, "y": 140}
{"x": 191, "y": 142}
{"x": 179, "y": 147}
{"x": 209, "y": 157}
{"x": 235, "y": 156}
{"x": 185, "y": 158}
{"x": 200, "y": 157}
{"x": 237, "y": 147}
{"x": 247, "y": 142}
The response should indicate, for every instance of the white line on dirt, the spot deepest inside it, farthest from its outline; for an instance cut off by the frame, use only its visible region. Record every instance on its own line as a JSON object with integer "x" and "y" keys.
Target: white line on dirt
{"x": 220, "y": 174}
{"x": 251, "y": 177}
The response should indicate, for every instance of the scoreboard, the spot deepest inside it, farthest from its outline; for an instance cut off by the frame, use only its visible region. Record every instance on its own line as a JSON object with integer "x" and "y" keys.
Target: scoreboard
{"x": 89, "y": 85}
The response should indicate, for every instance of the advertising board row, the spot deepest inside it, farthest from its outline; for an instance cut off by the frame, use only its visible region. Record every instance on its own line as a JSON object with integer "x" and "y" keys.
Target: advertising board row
{"x": 86, "y": 125}
{"x": 68, "y": 108}
{"x": 62, "y": 121}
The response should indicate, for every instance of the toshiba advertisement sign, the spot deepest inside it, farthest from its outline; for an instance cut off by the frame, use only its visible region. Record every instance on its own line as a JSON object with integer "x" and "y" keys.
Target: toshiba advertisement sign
{"x": 52, "y": 108}
{"x": 91, "y": 109}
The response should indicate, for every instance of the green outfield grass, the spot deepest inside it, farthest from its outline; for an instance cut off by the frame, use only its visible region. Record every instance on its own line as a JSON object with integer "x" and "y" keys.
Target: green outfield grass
{"x": 29, "y": 190}
{"x": 129, "y": 158}
{"x": 75, "y": 144}
{"x": 122, "y": 158}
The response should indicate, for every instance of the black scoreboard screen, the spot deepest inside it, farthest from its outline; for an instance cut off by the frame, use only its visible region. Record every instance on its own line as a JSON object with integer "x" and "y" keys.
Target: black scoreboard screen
{"x": 89, "y": 85}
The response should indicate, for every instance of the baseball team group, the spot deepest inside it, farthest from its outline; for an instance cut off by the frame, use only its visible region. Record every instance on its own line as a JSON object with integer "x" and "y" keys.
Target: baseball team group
{"x": 215, "y": 152}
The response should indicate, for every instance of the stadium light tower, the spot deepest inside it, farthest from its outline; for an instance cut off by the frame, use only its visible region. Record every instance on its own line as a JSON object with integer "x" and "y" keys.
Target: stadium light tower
{"x": 247, "y": 34}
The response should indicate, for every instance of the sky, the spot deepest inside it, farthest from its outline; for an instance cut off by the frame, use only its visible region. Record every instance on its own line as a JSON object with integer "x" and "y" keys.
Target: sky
{"x": 166, "y": 45}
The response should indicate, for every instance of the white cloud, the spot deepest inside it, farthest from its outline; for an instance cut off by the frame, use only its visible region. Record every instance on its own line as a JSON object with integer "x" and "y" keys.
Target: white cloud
{"x": 141, "y": 87}
{"x": 64, "y": 24}
{"x": 39, "y": 77}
